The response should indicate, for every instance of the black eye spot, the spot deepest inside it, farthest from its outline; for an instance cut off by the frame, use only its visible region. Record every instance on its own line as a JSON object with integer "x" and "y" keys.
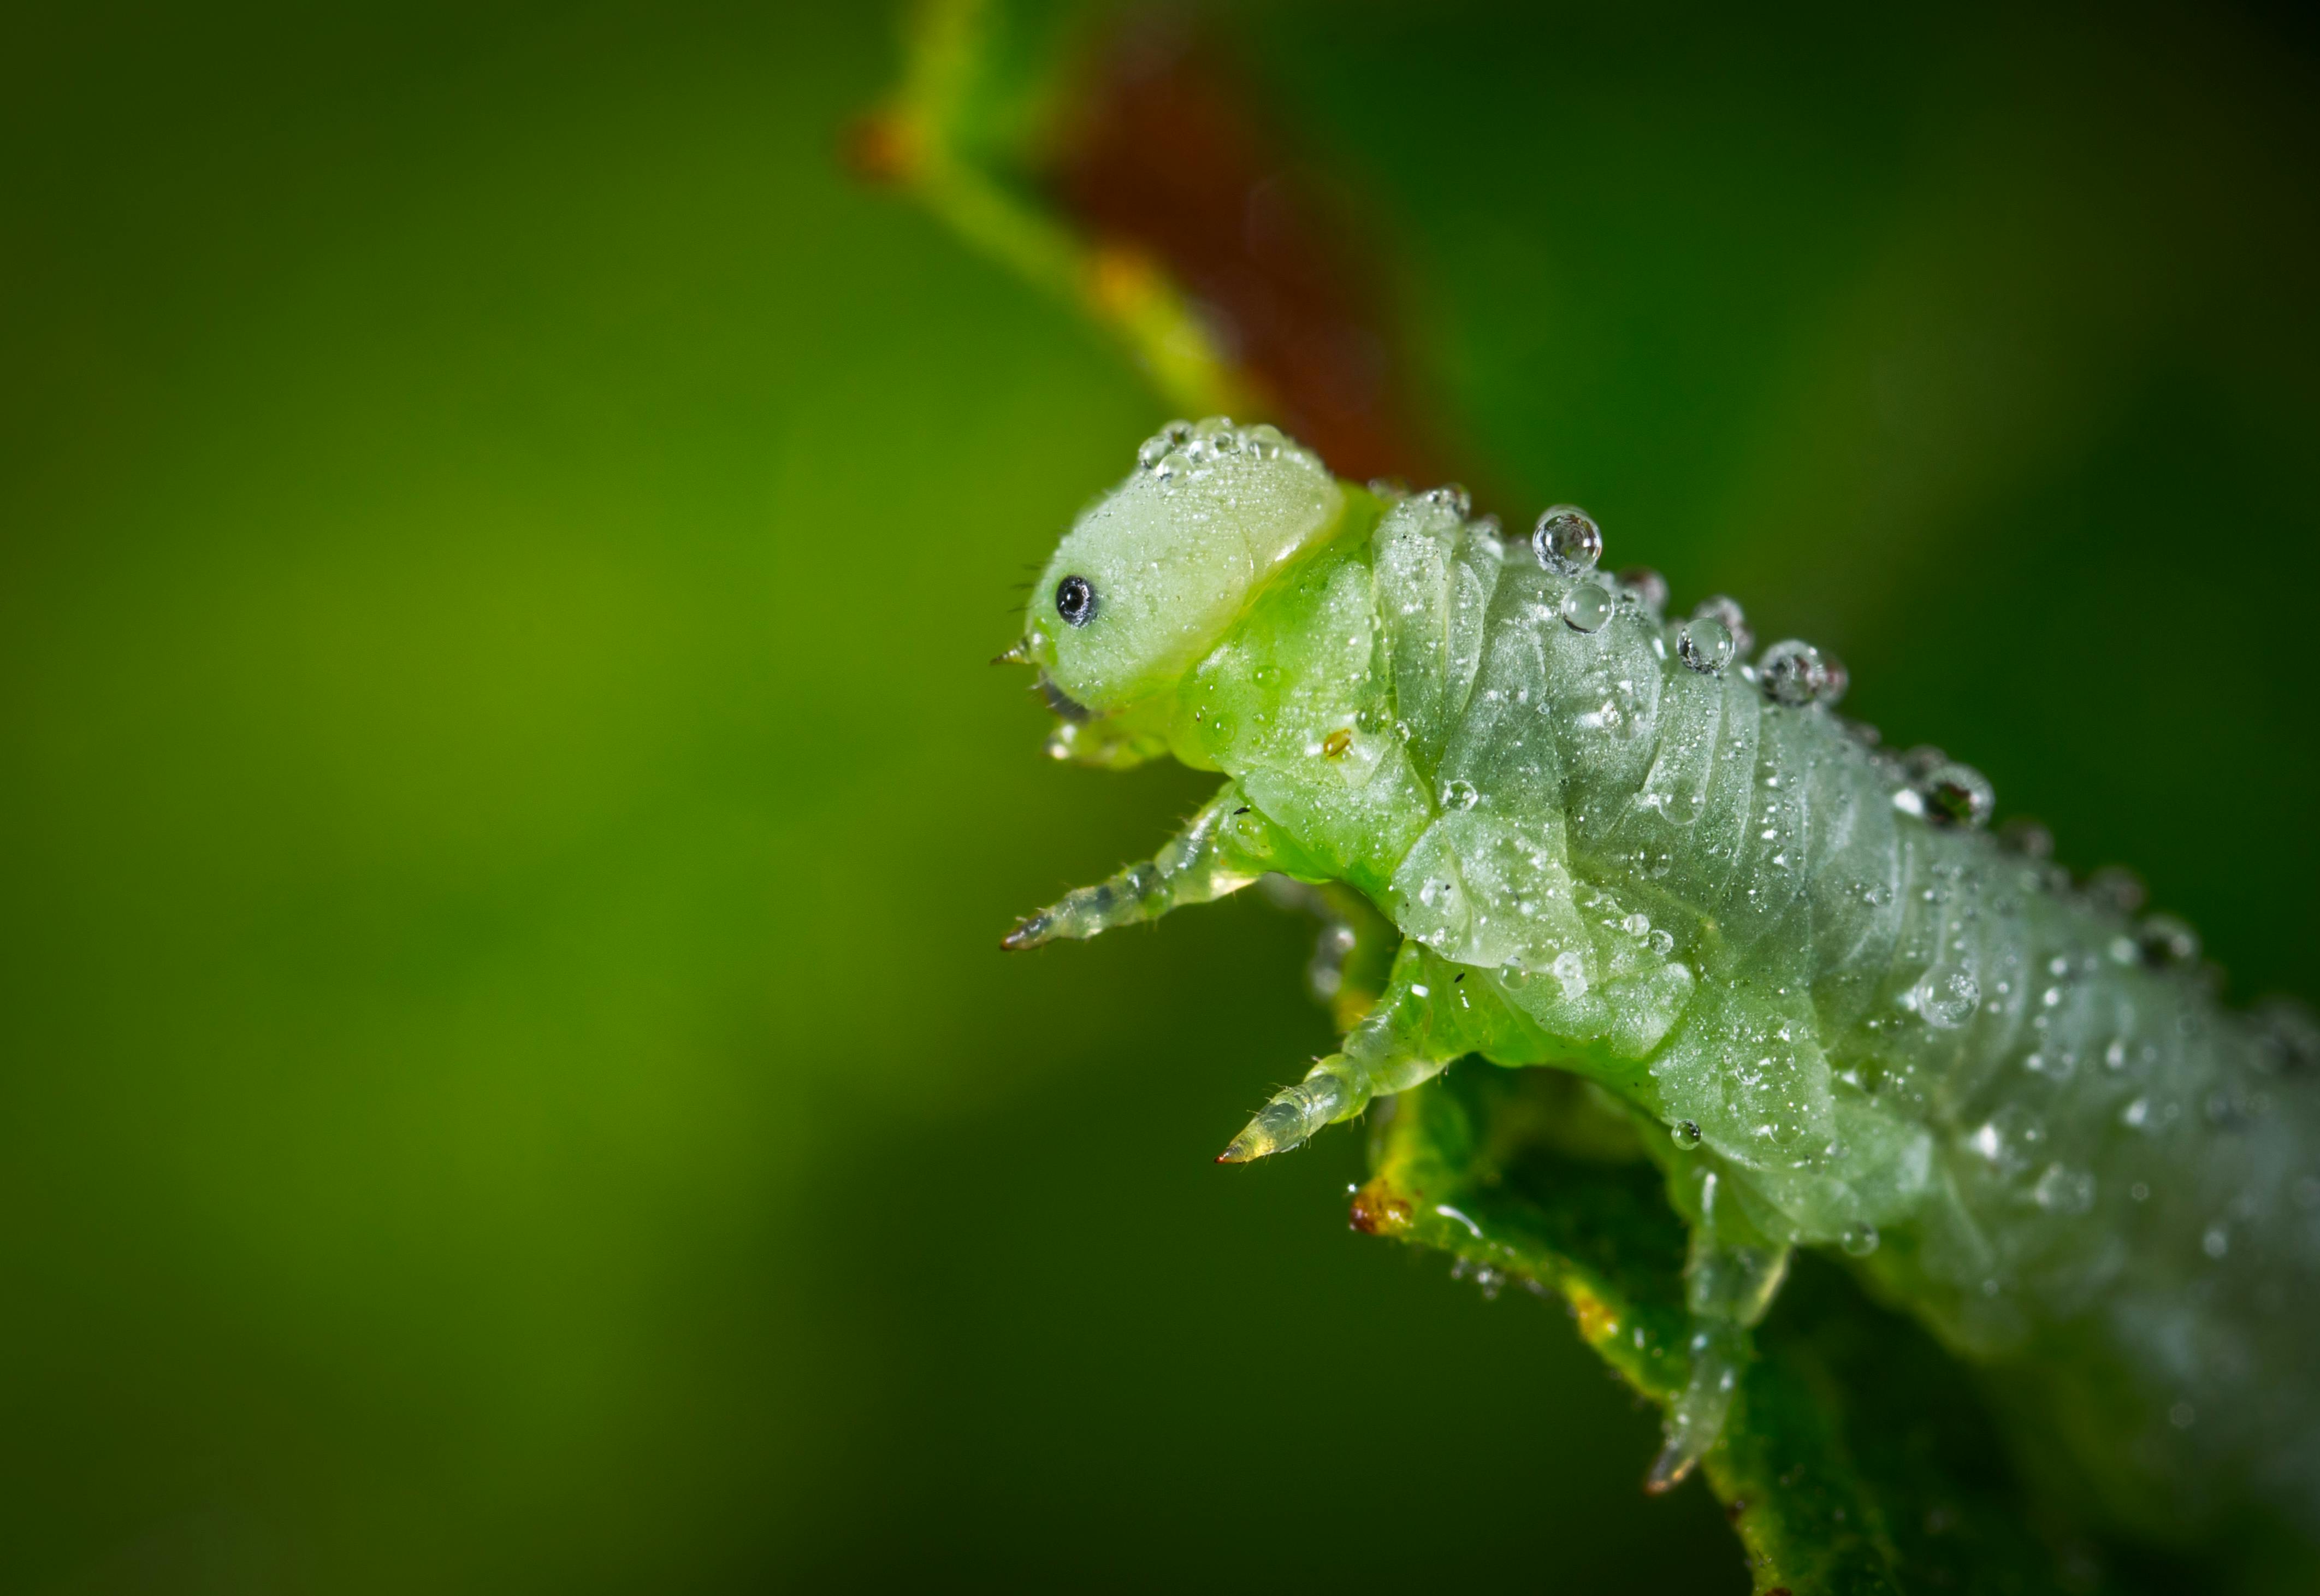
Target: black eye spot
{"x": 1075, "y": 601}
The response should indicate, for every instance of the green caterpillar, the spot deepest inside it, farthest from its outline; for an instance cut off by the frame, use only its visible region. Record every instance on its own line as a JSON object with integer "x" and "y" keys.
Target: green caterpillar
{"x": 1851, "y": 1018}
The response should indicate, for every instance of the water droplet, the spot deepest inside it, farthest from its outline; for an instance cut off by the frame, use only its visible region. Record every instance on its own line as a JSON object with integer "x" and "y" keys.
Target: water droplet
{"x": 1705, "y": 644}
{"x": 2117, "y": 888}
{"x": 1212, "y": 435}
{"x": 2064, "y": 1191}
{"x": 2217, "y": 1241}
{"x": 1567, "y": 538}
{"x": 2287, "y": 1036}
{"x": 1726, "y": 610}
{"x": 1860, "y": 1239}
{"x": 1451, "y": 496}
{"x": 2027, "y": 837}
{"x": 1687, "y": 1134}
{"x": 1662, "y": 943}
{"x": 1161, "y": 444}
{"x": 2167, "y": 942}
{"x": 1570, "y": 970}
{"x": 1265, "y": 441}
{"x": 1586, "y": 607}
{"x": 1646, "y": 584}
{"x": 1514, "y": 976}
{"x": 1958, "y": 794}
{"x": 1459, "y": 795}
{"x": 1392, "y": 489}
{"x": 2058, "y": 1064}
{"x": 1796, "y": 674}
{"x": 2009, "y": 1137}
{"x": 1947, "y": 998}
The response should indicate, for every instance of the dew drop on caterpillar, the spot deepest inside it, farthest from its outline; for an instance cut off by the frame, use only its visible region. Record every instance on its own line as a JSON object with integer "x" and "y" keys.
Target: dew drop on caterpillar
{"x": 1628, "y": 846}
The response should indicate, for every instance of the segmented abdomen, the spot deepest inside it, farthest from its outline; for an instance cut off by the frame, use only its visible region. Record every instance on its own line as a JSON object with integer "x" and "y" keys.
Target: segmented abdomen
{"x": 2026, "y": 1115}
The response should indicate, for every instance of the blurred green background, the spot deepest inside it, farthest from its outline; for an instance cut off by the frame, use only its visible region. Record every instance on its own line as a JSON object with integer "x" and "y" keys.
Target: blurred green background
{"x": 510, "y": 1083}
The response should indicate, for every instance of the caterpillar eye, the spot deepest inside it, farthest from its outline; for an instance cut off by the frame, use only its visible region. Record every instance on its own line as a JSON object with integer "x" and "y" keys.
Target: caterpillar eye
{"x": 1075, "y": 601}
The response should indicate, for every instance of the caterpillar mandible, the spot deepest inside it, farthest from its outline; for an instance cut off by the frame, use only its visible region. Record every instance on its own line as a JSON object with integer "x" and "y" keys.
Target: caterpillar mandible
{"x": 1850, "y": 1017}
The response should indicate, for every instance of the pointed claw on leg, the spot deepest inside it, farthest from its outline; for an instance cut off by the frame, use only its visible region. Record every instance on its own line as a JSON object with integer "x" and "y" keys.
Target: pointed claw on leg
{"x": 1294, "y": 1115}
{"x": 1030, "y": 933}
{"x": 1671, "y": 1467}
{"x": 1697, "y": 1417}
{"x": 1136, "y": 894}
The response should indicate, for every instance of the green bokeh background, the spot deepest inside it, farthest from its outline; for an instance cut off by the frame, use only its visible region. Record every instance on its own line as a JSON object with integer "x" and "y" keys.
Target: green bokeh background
{"x": 510, "y": 1083}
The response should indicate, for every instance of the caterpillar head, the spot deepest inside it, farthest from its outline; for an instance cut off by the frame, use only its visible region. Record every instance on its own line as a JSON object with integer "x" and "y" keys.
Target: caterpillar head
{"x": 1150, "y": 578}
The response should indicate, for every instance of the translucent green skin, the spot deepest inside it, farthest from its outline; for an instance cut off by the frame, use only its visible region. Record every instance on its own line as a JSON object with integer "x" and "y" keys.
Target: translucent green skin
{"x": 1860, "y": 1030}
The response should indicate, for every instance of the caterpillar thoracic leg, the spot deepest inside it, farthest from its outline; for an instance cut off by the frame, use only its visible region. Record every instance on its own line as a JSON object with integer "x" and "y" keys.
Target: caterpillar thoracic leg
{"x": 1396, "y": 1045}
{"x": 1221, "y": 850}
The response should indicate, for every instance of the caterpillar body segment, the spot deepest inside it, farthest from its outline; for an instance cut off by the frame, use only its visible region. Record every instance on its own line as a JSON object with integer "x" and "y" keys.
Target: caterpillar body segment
{"x": 1851, "y": 1019}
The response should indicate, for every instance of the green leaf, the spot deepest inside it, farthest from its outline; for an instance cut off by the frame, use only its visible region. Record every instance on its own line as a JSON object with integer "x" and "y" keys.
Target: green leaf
{"x": 1511, "y": 1173}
